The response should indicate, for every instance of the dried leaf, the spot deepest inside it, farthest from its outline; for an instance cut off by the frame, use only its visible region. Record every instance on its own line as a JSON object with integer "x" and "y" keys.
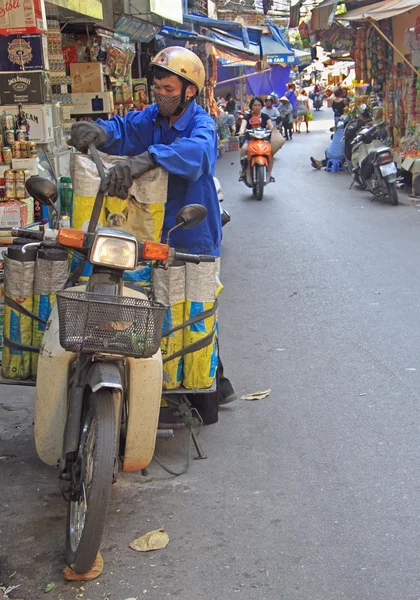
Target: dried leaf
{"x": 153, "y": 540}
{"x": 4, "y": 457}
{"x": 95, "y": 571}
{"x": 49, "y": 587}
{"x": 257, "y": 395}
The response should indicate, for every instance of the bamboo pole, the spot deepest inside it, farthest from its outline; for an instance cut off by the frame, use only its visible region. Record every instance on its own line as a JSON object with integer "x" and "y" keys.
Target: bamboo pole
{"x": 242, "y": 76}
{"x": 412, "y": 67}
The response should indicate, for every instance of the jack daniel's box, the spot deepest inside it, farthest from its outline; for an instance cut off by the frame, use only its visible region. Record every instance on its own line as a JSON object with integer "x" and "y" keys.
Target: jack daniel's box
{"x": 25, "y": 88}
{"x": 23, "y": 53}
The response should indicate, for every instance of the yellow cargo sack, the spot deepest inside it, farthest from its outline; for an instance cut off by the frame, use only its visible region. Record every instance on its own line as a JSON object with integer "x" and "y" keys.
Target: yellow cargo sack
{"x": 169, "y": 289}
{"x": 141, "y": 214}
{"x": 18, "y": 300}
{"x": 202, "y": 289}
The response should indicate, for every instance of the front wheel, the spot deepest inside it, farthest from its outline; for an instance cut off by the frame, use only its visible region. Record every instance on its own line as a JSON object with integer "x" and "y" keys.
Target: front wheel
{"x": 259, "y": 181}
{"x": 392, "y": 192}
{"x": 86, "y": 516}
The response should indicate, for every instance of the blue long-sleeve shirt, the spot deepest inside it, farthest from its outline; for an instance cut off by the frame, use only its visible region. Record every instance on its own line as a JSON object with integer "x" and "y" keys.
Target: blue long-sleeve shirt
{"x": 188, "y": 151}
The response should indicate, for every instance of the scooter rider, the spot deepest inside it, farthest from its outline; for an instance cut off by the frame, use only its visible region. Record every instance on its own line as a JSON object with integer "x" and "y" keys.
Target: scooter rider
{"x": 178, "y": 135}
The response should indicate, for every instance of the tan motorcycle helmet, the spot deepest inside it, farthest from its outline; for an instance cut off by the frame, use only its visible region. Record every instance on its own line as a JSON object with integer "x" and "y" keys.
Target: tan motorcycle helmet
{"x": 181, "y": 62}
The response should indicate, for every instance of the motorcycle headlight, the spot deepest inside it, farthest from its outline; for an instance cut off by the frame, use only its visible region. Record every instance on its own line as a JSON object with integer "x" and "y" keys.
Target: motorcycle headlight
{"x": 113, "y": 248}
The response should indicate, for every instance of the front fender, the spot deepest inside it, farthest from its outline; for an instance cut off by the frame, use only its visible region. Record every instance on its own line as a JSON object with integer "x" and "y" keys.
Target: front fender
{"x": 104, "y": 375}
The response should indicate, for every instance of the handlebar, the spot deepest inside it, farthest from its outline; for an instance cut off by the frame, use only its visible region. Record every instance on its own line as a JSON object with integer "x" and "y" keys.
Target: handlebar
{"x": 194, "y": 258}
{"x": 84, "y": 241}
{"x": 25, "y": 233}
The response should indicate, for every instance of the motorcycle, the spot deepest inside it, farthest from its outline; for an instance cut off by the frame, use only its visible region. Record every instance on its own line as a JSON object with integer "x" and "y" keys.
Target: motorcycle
{"x": 257, "y": 160}
{"x": 99, "y": 383}
{"x": 225, "y": 216}
{"x": 318, "y": 101}
{"x": 369, "y": 161}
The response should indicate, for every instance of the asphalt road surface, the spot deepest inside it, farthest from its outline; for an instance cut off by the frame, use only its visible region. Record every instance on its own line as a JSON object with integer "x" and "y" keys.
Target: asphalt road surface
{"x": 310, "y": 494}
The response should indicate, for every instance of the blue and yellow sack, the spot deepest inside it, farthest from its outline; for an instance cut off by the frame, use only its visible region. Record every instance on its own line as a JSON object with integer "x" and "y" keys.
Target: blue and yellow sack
{"x": 18, "y": 306}
{"x": 51, "y": 272}
{"x": 202, "y": 288}
{"x": 169, "y": 289}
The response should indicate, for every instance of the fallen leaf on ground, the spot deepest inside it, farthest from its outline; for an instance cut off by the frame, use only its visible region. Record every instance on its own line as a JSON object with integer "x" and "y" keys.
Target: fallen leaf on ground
{"x": 4, "y": 457}
{"x": 49, "y": 587}
{"x": 95, "y": 571}
{"x": 153, "y": 540}
{"x": 257, "y": 395}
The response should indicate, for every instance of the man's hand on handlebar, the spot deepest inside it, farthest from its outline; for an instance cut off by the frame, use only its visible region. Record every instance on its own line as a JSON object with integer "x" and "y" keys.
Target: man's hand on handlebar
{"x": 84, "y": 133}
{"x": 120, "y": 178}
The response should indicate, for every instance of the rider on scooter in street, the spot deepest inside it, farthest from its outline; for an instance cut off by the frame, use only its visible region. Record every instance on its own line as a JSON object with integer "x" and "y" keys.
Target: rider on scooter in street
{"x": 178, "y": 135}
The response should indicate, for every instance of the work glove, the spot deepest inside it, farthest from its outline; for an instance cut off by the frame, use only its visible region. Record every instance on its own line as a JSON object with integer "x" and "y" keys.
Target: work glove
{"x": 120, "y": 177}
{"x": 84, "y": 133}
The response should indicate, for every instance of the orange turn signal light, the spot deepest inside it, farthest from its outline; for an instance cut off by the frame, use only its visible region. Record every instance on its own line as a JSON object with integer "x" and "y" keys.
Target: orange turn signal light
{"x": 74, "y": 238}
{"x": 155, "y": 251}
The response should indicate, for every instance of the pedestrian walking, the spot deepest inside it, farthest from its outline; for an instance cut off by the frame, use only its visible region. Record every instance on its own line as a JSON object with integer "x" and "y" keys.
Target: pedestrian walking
{"x": 303, "y": 110}
{"x": 291, "y": 95}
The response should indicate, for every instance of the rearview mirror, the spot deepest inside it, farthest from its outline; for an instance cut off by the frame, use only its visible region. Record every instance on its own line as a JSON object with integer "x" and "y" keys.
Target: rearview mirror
{"x": 191, "y": 215}
{"x": 43, "y": 190}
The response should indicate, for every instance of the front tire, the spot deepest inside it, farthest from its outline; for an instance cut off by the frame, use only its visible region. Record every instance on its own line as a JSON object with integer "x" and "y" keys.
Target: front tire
{"x": 392, "y": 192}
{"x": 86, "y": 517}
{"x": 259, "y": 181}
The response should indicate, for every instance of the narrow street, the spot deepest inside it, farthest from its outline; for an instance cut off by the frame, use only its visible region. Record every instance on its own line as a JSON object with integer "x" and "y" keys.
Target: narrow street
{"x": 310, "y": 494}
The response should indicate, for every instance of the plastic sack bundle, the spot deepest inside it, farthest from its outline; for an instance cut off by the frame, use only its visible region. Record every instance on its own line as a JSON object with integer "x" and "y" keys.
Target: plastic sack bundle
{"x": 202, "y": 289}
{"x": 141, "y": 214}
{"x": 169, "y": 289}
{"x": 51, "y": 272}
{"x": 19, "y": 273}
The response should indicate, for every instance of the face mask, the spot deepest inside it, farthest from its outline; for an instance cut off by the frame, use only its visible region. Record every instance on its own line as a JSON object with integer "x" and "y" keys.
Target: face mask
{"x": 167, "y": 105}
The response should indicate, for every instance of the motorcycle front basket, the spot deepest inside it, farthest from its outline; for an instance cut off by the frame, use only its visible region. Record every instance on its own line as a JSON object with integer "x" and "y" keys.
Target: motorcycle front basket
{"x": 91, "y": 322}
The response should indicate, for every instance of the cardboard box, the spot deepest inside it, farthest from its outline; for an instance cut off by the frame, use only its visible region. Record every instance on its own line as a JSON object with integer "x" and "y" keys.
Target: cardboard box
{"x": 22, "y": 16}
{"x": 87, "y": 77}
{"x": 92, "y": 103}
{"x": 26, "y": 164}
{"x": 412, "y": 165}
{"x": 13, "y": 214}
{"x": 40, "y": 121}
{"x": 25, "y": 88}
{"x": 24, "y": 53}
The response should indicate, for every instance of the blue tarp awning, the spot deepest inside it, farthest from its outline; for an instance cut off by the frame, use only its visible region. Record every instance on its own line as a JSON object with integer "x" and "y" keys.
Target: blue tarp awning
{"x": 236, "y": 44}
{"x": 231, "y": 26}
{"x": 223, "y": 42}
{"x": 276, "y": 53}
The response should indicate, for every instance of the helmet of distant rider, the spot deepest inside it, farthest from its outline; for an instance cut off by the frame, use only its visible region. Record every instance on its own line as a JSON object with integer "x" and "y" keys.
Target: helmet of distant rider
{"x": 181, "y": 62}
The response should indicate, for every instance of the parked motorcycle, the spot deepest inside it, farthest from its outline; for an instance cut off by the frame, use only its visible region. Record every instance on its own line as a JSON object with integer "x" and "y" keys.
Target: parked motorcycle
{"x": 318, "y": 101}
{"x": 99, "y": 383}
{"x": 257, "y": 160}
{"x": 369, "y": 161}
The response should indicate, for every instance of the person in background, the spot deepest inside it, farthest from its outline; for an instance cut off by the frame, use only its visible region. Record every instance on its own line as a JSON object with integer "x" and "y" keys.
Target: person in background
{"x": 230, "y": 106}
{"x": 286, "y": 117}
{"x": 317, "y": 88}
{"x": 253, "y": 119}
{"x": 334, "y": 151}
{"x": 291, "y": 94}
{"x": 276, "y": 101}
{"x": 339, "y": 103}
{"x": 303, "y": 109}
{"x": 270, "y": 110}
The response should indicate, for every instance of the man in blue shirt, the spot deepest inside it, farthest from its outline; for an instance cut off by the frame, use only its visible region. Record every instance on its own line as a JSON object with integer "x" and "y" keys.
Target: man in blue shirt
{"x": 178, "y": 135}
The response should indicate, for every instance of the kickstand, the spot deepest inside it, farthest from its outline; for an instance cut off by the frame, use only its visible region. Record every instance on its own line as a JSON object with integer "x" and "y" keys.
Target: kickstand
{"x": 192, "y": 419}
{"x": 352, "y": 184}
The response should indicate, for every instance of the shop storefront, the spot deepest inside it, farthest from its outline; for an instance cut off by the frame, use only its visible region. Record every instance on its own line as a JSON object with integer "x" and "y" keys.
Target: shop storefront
{"x": 387, "y": 56}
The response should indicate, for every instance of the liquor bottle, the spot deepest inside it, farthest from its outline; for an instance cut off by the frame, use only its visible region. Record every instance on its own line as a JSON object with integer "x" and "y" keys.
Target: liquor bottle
{"x": 21, "y": 121}
{"x": 77, "y": 83}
